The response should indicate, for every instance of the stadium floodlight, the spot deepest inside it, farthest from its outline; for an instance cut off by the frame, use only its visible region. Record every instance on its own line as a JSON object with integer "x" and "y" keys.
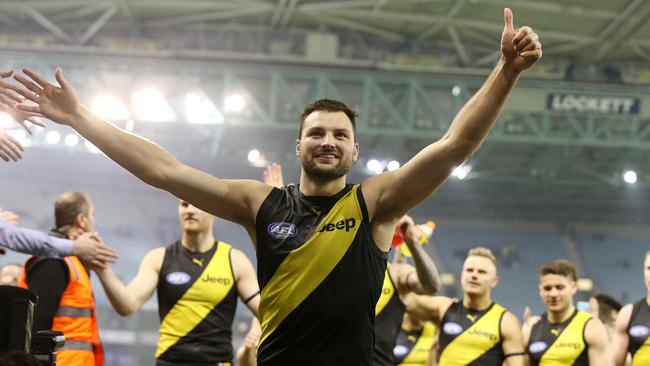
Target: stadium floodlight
{"x": 375, "y": 166}
{"x": 53, "y": 137}
{"x": 200, "y": 109}
{"x": 110, "y": 108}
{"x": 629, "y": 176}
{"x": 254, "y": 155}
{"x": 234, "y": 103}
{"x": 455, "y": 91}
{"x": 91, "y": 148}
{"x": 461, "y": 171}
{"x": 150, "y": 105}
{"x": 71, "y": 139}
{"x": 393, "y": 165}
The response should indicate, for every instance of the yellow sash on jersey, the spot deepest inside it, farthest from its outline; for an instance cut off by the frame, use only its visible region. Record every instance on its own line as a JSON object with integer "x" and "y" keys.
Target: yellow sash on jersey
{"x": 476, "y": 340}
{"x": 306, "y": 267}
{"x": 199, "y": 300}
{"x": 419, "y": 355}
{"x": 387, "y": 293}
{"x": 642, "y": 355}
{"x": 569, "y": 344}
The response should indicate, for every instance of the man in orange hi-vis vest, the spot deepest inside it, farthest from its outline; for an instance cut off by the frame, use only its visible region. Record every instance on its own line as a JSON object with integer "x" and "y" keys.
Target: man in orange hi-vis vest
{"x": 65, "y": 296}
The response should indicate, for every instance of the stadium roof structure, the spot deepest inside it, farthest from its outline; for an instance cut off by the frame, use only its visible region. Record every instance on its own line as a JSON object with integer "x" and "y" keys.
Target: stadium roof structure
{"x": 399, "y": 62}
{"x": 588, "y": 30}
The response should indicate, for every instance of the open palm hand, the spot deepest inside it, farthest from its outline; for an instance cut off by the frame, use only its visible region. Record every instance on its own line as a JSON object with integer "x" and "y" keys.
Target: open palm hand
{"x": 58, "y": 103}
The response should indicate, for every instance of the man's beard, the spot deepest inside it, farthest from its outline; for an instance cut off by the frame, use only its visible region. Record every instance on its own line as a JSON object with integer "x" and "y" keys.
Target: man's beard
{"x": 325, "y": 175}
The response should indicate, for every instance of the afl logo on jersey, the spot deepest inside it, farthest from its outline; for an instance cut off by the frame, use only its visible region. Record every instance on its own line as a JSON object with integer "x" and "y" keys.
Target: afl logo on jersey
{"x": 639, "y": 331}
{"x": 178, "y": 278}
{"x": 400, "y": 350}
{"x": 537, "y": 347}
{"x": 452, "y": 328}
{"x": 282, "y": 230}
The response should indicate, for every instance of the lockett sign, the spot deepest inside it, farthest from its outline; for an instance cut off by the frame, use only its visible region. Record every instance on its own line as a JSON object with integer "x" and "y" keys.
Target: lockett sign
{"x": 593, "y": 104}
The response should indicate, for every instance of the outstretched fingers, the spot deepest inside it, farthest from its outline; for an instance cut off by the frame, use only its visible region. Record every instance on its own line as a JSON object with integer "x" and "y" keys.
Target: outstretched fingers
{"x": 11, "y": 148}
{"x": 29, "y": 85}
{"x": 30, "y": 108}
{"x": 61, "y": 80}
{"x": 36, "y": 120}
{"x": 6, "y": 92}
{"x": 36, "y": 77}
{"x": 22, "y": 91}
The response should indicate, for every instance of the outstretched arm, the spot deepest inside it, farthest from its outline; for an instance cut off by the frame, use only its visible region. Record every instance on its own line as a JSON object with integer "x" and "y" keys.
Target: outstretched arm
{"x": 39, "y": 243}
{"x": 424, "y": 278}
{"x": 234, "y": 200}
{"x": 391, "y": 195}
{"x": 126, "y": 300}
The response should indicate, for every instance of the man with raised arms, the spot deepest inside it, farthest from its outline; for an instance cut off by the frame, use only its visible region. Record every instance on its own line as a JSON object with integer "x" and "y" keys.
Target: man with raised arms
{"x": 321, "y": 245}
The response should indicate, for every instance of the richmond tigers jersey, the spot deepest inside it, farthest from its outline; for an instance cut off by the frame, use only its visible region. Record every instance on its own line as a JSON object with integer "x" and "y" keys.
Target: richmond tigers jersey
{"x": 389, "y": 313}
{"x": 471, "y": 338}
{"x": 413, "y": 348}
{"x": 197, "y": 298}
{"x": 320, "y": 274}
{"x": 561, "y": 344}
{"x": 639, "y": 332}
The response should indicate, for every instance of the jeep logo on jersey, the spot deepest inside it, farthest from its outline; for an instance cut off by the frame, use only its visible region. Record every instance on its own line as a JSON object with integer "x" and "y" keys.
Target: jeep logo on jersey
{"x": 345, "y": 224}
{"x": 219, "y": 280}
{"x": 537, "y": 347}
{"x": 178, "y": 278}
{"x": 639, "y": 331}
{"x": 452, "y": 328}
{"x": 282, "y": 230}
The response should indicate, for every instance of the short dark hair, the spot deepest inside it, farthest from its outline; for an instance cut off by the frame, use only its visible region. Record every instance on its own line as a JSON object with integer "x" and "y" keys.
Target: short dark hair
{"x": 559, "y": 267}
{"x": 328, "y": 105}
{"x": 68, "y": 205}
{"x": 607, "y": 305}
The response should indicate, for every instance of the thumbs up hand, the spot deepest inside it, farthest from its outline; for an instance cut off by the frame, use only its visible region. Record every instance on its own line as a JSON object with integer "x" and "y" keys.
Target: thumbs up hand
{"x": 520, "y": 47}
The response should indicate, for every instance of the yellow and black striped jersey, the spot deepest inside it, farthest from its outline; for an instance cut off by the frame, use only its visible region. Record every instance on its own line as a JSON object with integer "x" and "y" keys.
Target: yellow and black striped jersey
{"x": 197, "y": 299}
{"x": 471, "y": 337}
{"x": 321, "y": 273}
{"x": 559, "y": 344}
{"x": 414, "y": 348}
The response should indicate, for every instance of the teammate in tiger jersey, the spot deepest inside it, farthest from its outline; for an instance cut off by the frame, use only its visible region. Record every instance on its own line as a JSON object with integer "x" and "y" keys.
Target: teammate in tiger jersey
{"x": 563, "y": 335}
{"x": 400, "y": 280}
{"x": 197, "y": 280}
{"x": 416, "y": 343}
{"x": 632, "y": 331}
{"x": 475, "y": 331}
